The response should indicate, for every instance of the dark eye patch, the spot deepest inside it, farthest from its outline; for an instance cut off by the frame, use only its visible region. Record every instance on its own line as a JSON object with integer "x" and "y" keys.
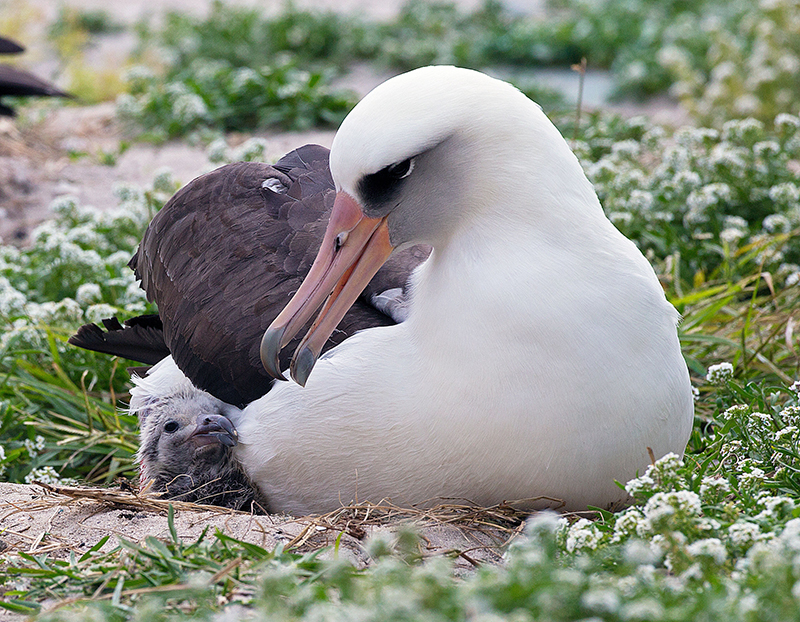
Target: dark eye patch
{"x": 171, "y": 426}
{"x": 382, "y": 187}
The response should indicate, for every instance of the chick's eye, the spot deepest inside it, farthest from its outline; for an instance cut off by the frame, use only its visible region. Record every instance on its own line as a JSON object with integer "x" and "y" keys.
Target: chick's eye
{"x": 171, "y": 426}
{"x": 401, "y": 170}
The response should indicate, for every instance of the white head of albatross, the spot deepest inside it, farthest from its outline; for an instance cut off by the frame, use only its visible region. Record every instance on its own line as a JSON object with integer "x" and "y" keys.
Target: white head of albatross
{"x": 540, "y": 357}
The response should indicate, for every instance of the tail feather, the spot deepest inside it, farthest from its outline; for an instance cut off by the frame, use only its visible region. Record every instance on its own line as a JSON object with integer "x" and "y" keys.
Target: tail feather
{"x": 140, "y": 339}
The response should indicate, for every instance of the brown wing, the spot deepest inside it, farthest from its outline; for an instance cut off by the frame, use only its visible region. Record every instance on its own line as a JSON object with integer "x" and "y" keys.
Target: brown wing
{"x": 7, "y": 46}
{"x": 227, "y": 253}
{"x": 140, "y": 339}
{"x": 16, "y": 82}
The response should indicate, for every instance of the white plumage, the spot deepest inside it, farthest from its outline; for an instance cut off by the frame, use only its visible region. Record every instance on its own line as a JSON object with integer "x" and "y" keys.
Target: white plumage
{"x": 540, "y": 357}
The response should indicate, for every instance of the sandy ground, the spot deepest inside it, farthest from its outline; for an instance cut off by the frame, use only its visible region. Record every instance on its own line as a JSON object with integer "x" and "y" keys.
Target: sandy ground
{"x": 36, "y": 166}
{"x": 36, "y": 521}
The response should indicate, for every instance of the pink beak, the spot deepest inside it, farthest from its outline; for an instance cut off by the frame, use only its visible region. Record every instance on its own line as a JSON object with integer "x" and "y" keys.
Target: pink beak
{"x": 353, "y": 250}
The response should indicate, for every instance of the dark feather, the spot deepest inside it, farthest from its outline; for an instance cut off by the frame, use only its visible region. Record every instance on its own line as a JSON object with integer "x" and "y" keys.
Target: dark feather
{"x": 18, "y": 83}
{"x": 226, "y": 254}
{"x": 140, "y": 339}
{"x": 7, "y": 46}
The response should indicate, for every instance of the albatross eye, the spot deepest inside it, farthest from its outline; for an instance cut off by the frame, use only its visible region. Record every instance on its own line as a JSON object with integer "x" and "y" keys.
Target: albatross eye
{"x": 381, "y": 187}
{"x": 401, "y": 170}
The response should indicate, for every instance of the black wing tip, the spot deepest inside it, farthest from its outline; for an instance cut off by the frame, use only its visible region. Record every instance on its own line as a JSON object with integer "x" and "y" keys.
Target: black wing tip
{"x": 140, "y": 339}
{"x": 7, "y": 46}
{"x": 86, "y": 337}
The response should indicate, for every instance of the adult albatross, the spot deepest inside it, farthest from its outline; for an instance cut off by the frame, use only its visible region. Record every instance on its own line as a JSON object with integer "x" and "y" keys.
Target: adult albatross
{"x": 539, "y": 357}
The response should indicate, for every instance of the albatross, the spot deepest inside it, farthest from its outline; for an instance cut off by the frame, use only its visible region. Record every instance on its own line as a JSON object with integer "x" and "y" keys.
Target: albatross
{"x": 202, "y": 259}
{"x": 538, "y": 357}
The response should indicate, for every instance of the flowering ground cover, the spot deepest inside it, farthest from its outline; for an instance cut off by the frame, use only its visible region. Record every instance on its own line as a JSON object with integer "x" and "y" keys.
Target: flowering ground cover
{"x": 714, "y": 535}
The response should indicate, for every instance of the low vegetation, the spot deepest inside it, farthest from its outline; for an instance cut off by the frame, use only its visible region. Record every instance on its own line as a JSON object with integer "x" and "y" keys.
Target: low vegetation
{"x": 722, "y": 59}
{"x": 716, "y": 208}
{"x": 717, "y": 213}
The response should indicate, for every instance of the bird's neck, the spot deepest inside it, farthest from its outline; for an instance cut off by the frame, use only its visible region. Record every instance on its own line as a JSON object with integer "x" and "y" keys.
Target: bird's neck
{"x": 515, "y": 264}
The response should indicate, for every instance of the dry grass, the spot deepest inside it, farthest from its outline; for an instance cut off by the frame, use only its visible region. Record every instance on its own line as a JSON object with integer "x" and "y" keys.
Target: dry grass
{"x": 485, "y": 529}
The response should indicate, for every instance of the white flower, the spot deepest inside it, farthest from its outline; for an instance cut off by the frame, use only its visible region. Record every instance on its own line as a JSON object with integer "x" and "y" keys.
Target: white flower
{"x": 47, "y": 475}
{"x": 766, "y": 148}
{"x": 97, "y": 313}
{"x": 720, "y": 373}
{"x": 687, "y": 180}
{"x": 88, "y": 293}
{"x": 139, "y": 73}
{"x": 755, "y": 477}
{"x": 749, "y": 103}
{"x": 744, "y": 533}
{"x": 126, "y": 193}
{"x": 582, "y": 535}
{"x": 189, "y": 108}
{"x": 786, "y": 121}
{"x": 217, "y": 151}
{"x": 785, "y": 193}
{"x": 638, "y": 552}
{"x": 643, "y": 483}
{"x": 788, "y": 433}
{"x": 601, "y": 599}
{"x": 709, "y": 195}
{"x": 715, "y": 485}
{"x": 643, "y": 609}
{"x": 545, "y": 522}
{"x": 620, "y": 218}
{"x": 760, "y": 424}
{"x": 731, "y": 235}
{"x": 790, "y": 536}
{"x": 629, "y": 523}
{"x": 12, "y": 301}
{"x": 775, "y": 507}
{"x": 776, "y": 223}
{"x": 709, "y": 547}
{"x": 672, "y": 55}
{"x": 735, "y": 221}
{"x": 694, "y": 136}
{"x": 129, "y": 105}
{"x": 740, "y": 129}
{"x": 627, "y": 148}
{"x": 730, "y": 157}
{"x": 67, "y": 312}
{"x": 252, "y": 150}
{"x": 640, "y": 200}
{"x": 244, "y": 76}
{"x": 34, "y": 446}
{"x": 681, "y": 503}
{"x": 163, "y": 181}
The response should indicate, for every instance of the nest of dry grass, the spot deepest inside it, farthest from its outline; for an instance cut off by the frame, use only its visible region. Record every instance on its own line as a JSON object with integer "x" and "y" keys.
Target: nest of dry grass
{"x": 491, "y": 529}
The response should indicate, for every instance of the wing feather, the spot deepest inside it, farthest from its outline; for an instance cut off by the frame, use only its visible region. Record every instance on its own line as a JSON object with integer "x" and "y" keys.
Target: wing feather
{"x": 226, "y": 254}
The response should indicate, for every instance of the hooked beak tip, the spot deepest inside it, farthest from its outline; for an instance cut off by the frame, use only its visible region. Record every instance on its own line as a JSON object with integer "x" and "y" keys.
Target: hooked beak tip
{"x": 302, "y": 364}
{"x": 270, "y": 351}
